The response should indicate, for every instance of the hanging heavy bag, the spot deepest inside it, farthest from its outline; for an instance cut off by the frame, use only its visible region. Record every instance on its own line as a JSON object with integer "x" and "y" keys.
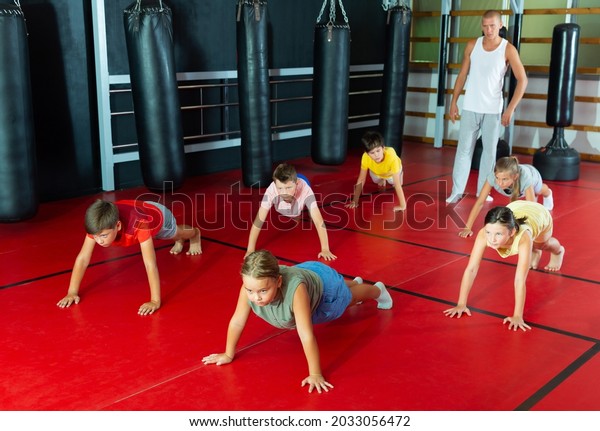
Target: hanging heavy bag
{"x": 331, "y": 83}
{"x": 18, "y": 187}
{"x": 395, "y": 77}
{"x": 254, "y": 93}
{"x": 149, "y": 37}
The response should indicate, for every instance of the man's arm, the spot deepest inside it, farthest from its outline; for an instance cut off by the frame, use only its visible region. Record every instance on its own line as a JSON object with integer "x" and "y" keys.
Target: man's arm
{"x": 461, "y": 79}
{"x": 514, "y": 61}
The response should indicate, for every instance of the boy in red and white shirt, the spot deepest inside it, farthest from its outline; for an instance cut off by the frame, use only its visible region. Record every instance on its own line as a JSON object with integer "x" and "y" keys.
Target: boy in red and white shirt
{"x": 125, "y": 223}
{"x": 289, "y": 194}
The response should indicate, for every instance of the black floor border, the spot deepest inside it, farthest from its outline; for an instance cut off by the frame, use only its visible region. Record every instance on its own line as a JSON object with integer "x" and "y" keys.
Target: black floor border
{"x": 541, "y": 393}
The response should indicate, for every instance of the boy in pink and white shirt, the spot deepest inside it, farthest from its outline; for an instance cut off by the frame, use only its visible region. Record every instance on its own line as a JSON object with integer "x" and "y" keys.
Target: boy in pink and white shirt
{"x": 289, "y": 194}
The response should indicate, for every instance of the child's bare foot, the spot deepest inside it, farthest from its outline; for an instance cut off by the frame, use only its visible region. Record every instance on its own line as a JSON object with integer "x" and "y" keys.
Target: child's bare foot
{"x": 556, "y": 260}
{"x": 535, "y": 258}
{"x": 399, "y": 208}
{"x": 177, "y": 247}
{"x": 195, "y": 247}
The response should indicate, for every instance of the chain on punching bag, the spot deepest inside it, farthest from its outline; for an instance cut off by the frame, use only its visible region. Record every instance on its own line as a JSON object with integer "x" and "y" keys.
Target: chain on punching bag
{"x": 254, "y": 93}
{"x": 331, "y": 82}
{"x": 18, "y": 188}
{"x": 395, "y": 76}
{"x": 557, "y": 161}
{"x": 149, "y": 36}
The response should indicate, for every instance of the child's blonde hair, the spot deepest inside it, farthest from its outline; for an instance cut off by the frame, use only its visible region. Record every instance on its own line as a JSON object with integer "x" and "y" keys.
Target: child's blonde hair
{"x": 510, "y": 165}
{"x": 260, "y": 264}
{"x": 101, "y": 215}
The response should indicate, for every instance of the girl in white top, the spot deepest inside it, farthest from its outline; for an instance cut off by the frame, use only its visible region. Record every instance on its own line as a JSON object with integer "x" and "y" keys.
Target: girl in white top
{"x": 512, "y": 180}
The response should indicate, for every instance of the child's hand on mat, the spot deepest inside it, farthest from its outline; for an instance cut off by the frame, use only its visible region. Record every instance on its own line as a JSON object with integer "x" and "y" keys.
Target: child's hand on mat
{"x": 327, "y": 255}
{"x": 68, "y": 300}
{"x": 316, "y": 381}
{"x": 457, "y": 311}
{"x": 465, "y": 233}
{"x": 148, "y": 308}
{"x": 217, "y": 358}
{"x": 516, "y": 322}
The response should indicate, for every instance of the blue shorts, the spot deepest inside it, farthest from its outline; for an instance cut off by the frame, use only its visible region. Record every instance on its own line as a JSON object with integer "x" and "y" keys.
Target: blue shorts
{"x": 169, "y": 227}
{"x": 336, "y": 294}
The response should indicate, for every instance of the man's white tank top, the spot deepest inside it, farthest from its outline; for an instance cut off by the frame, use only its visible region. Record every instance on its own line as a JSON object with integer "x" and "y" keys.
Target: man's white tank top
{"x": 485, "y": 81}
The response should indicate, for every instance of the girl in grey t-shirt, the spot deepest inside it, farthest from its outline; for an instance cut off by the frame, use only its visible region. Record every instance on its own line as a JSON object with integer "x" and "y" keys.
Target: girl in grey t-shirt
{"x": 513, "y": 180}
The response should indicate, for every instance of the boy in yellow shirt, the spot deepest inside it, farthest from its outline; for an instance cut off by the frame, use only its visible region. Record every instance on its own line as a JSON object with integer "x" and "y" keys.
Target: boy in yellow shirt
{"x": 383, "y": 164}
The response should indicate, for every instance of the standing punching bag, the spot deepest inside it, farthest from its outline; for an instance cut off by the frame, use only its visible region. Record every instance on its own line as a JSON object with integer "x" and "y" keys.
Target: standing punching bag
{"x": 557, "y": 161}
{"x": 254, "y": 94}
{"x": 395, "y": 77}
{"x": 18, "y": 188}
{"x": 149, "y": 36}
{"x": 331, "y": 82}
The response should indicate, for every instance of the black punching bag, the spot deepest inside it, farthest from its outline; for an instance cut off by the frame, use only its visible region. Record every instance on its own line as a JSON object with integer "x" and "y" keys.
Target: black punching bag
{"x": 557, "y": 161}
{"x": 254, "y": 94}
{"x": 18, "y": 188}
{"x": 331, "y": 82}
{"x": 149, "y": 36}
{"x": 395, "y": 77}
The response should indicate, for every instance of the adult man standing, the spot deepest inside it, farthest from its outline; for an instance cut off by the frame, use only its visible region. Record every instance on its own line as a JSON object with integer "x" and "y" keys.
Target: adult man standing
{"x": 485, "y": 62}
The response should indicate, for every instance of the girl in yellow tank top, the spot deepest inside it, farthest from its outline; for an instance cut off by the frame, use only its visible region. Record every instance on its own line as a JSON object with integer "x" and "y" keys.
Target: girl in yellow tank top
{"x": 521, "y": 228}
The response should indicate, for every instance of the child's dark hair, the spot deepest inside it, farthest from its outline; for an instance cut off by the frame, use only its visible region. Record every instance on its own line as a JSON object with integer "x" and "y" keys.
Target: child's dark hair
{"x": 511, "y": 166}
{"x": 101, "y": 215}
{"x": 260, "y": 264}
{"x": 285, "y": 173}
{"x": 371, "y": 140}
{"x": 505, "y": 216}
